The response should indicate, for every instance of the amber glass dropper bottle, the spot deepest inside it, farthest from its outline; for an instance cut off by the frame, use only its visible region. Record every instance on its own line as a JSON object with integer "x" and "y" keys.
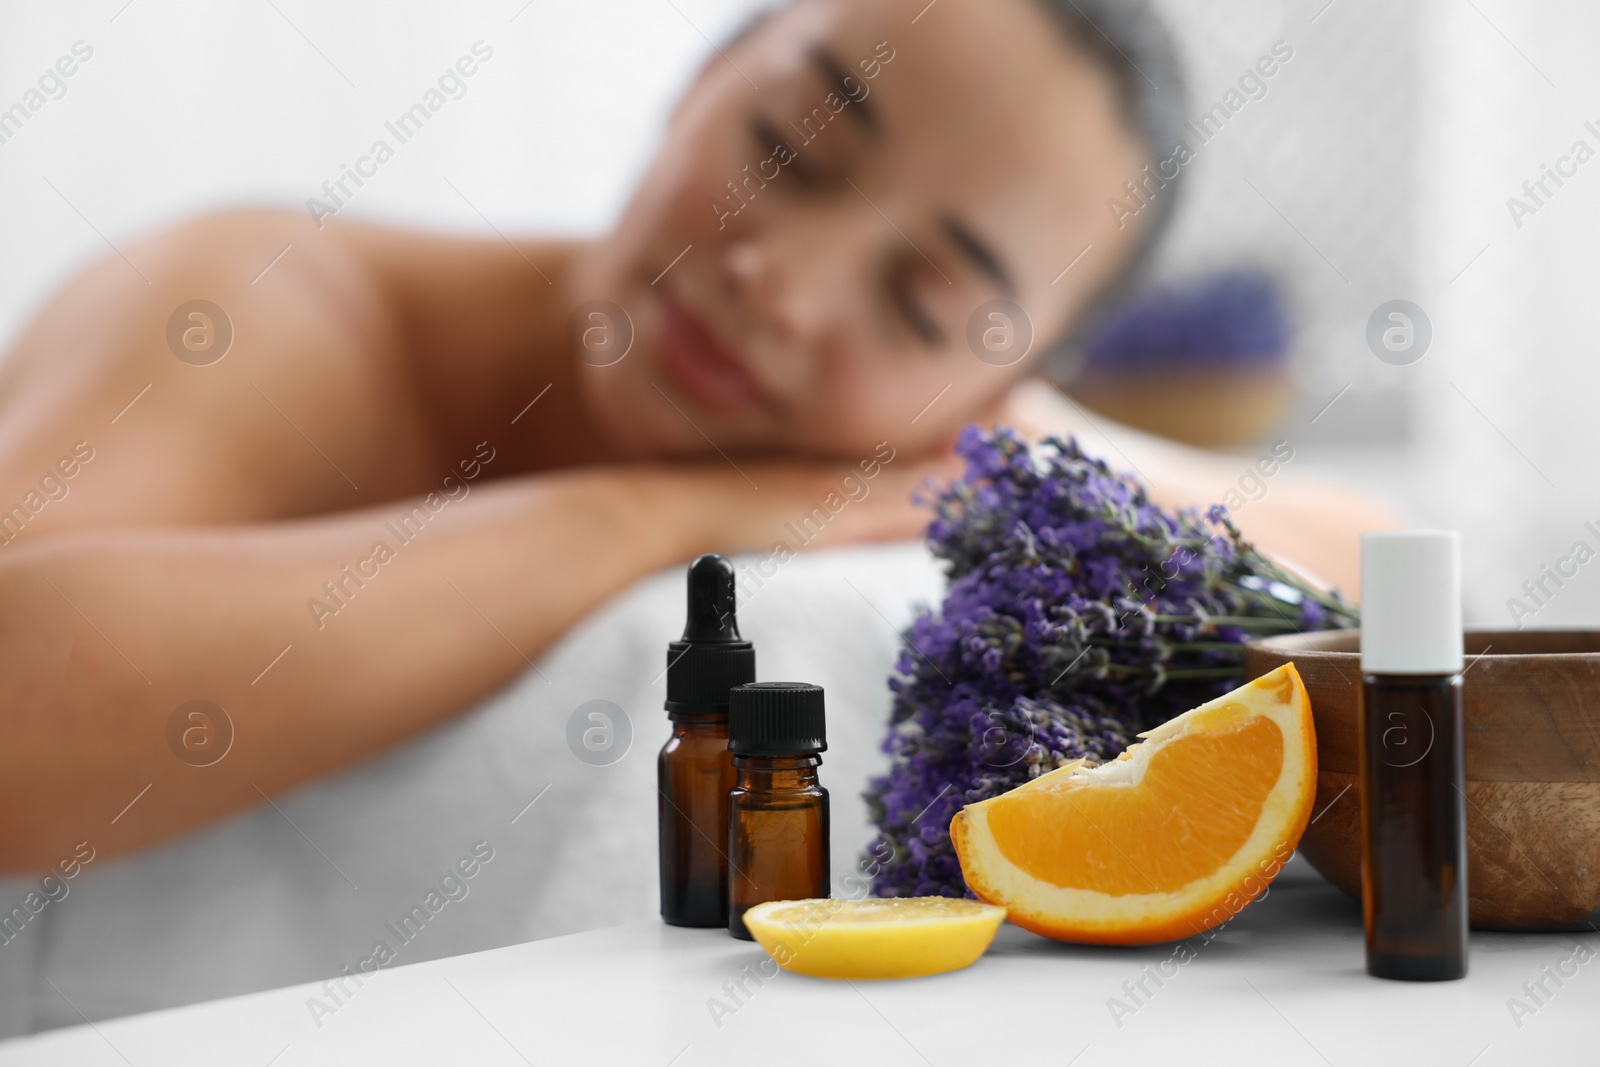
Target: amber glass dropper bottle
{"x": 1413, "y": 804}
{"x": 695, "y": 770}
{"x": 778, "y": 810}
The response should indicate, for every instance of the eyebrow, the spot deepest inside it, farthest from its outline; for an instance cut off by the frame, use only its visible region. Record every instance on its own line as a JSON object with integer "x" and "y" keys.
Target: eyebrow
{"x": 835, "y": 74}
{"x": 978, "y": 251}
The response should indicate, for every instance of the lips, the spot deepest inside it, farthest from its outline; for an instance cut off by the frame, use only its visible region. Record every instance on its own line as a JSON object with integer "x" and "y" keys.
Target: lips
{"x": 698, "y": 363}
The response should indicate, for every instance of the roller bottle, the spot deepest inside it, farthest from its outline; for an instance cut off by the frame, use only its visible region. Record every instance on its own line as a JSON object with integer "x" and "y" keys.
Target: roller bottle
{"x": 694, "y": 771}
{"x": 1413, "y": 781}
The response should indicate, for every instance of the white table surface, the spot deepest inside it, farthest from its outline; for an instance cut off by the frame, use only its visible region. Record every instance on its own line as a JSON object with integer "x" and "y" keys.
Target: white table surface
{"x": 1282, "y": 984}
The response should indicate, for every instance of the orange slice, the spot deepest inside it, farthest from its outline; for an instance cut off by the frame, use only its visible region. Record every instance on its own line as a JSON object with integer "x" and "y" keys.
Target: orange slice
{"x": 1171, "y": 838}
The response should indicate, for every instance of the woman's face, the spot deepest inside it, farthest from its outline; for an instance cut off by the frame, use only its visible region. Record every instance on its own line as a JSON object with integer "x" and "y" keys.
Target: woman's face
{"x": 808, "y": 264}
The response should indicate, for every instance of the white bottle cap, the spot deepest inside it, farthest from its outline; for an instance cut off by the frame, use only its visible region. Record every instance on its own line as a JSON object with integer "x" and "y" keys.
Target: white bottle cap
{"x": 1411, "y": 602}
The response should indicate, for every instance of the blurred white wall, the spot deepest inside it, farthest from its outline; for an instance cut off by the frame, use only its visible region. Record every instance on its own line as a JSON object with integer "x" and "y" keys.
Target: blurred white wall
{"x": 1311, "y": 177}
{"x": 1377, "y": 166}
{"x": 187, "y": 106}
{"x": 1510, "y": 437}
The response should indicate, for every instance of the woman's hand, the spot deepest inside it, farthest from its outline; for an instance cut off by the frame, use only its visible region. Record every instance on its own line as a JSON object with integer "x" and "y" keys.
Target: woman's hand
{"x": 757, "y": 505}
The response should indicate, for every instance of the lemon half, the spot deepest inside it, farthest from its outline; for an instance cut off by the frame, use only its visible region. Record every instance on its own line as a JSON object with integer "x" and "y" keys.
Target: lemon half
{"x": 892, "y": 938}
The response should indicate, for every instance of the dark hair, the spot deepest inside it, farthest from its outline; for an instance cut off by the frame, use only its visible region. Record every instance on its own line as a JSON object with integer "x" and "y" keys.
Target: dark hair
{"x": 1131, "y": 43}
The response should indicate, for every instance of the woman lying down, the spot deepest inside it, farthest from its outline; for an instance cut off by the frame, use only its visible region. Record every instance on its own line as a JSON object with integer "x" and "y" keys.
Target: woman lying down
{"x": 413, "y": 442}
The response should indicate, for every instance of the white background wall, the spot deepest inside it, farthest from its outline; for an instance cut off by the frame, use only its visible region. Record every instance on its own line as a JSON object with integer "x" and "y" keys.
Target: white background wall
{"x": 187, "y": 106}
{"x": 1377, "y": 167}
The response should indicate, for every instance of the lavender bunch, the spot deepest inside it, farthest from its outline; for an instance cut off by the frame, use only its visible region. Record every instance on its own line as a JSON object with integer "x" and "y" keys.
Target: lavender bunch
{"x": 1078, "y": 614}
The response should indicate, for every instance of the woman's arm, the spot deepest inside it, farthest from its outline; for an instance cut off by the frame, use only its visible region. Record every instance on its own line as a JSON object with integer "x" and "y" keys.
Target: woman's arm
{"x": 104, "y": 633}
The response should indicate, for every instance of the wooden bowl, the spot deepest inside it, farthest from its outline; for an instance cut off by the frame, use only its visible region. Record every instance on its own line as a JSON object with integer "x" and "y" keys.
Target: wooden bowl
{"x": 1532, "y": 761}
{"x": 1212, "y": 407}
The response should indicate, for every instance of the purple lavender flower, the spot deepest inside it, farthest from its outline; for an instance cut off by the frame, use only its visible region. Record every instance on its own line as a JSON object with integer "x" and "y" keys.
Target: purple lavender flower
{"x": 1235, "y": 318}
{"x": 1078, "y": 614}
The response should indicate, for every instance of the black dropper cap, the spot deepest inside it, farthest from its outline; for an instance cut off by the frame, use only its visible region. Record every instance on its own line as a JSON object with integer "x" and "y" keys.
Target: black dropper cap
{"x": 711, "y": 658}
{"x": 776, "y": 719}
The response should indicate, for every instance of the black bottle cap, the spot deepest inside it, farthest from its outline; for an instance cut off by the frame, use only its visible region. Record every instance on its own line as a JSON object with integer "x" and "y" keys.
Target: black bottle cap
{"x": 776, "y": 719}
{"x": 711, "y": 658}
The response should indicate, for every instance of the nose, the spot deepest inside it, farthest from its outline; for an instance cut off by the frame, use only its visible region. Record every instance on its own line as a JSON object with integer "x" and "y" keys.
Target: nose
{"x": 792, "y": 276}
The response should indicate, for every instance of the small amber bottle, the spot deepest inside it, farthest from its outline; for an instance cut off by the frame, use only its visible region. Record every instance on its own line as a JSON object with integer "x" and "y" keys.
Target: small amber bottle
{"x": 1413, "y": 804}
{"x": 695, "y": 770}
{"x": 778, "y": 811}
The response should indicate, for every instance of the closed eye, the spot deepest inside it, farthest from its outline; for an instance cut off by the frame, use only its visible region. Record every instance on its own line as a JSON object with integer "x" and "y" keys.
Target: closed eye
{"x": 769, "y": 138}
{"x": 911, "y": 310}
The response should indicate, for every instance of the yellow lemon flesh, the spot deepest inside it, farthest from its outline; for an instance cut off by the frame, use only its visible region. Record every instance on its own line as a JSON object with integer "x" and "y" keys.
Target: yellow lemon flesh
{"x": 902, "y": 937}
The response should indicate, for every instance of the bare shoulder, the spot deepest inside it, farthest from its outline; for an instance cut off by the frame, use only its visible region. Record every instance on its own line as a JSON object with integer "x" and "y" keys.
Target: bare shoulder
{"x": 265, "y": 365}
{"x": 480, "y": 319}
{"x": 461, "y": 322}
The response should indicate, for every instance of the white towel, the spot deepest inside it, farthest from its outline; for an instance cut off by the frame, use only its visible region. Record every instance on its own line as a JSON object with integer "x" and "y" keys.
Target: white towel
{"x": 272, "y": 897}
